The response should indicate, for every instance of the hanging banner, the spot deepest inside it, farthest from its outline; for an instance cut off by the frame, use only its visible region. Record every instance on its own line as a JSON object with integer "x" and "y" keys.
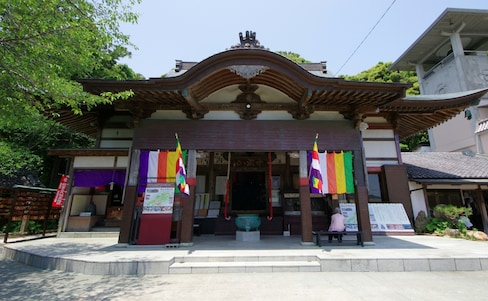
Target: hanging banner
{"x": 159, "y": 199}
{"x": 58, "y": 200}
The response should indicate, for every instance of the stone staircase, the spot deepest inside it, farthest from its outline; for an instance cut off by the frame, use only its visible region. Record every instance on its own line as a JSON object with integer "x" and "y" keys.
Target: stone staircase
{"x": 244, "y": 264}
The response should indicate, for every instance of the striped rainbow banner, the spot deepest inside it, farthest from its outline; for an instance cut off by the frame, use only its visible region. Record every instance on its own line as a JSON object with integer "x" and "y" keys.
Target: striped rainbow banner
{"x": 337, "y": 172}
{"x": 161, "y": 166}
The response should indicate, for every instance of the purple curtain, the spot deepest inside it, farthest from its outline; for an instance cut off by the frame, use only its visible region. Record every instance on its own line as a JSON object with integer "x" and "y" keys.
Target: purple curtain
{"x": 143, "y": 167}
{"x": 95, "y": 178}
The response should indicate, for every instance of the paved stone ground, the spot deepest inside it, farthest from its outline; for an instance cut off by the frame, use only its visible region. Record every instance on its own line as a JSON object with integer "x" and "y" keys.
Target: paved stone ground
{"x": 104, "y": 256}
{"x": 22, "y": 282}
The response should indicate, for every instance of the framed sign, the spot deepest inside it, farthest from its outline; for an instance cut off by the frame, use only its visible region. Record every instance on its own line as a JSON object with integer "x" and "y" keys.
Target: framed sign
{"x": 159, "y": 199}
{"x": 383, "y": 217}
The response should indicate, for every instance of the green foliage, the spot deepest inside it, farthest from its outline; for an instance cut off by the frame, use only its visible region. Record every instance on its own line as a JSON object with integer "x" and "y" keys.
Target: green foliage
{"x": 109, "y": 69}
{"x": 292, "y": 56}
{"x": 436, "y": 225}
{"x": 447, "y": 217}
{"x": 34, "y": 227}
{"x": 410, "y": 143}
{"x": 16, "y": 158}
{"x": 450, "y": 213}
{"x": 25, "y": 138}
{"x": 46, "y": 44}
{"x": 382, "y": 73}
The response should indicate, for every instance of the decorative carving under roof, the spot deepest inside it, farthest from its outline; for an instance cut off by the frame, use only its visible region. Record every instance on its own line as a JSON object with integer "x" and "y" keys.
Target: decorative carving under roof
{"x": 249, "y": 41}
{"x": 249, "y": 99}
{"x": 301, "y": 112}
{"x": 248, "y": 71}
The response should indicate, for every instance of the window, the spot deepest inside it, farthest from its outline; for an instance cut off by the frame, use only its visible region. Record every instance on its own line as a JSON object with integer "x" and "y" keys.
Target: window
{"x": 374, "y": 188}
{"x": 444, "y": 196}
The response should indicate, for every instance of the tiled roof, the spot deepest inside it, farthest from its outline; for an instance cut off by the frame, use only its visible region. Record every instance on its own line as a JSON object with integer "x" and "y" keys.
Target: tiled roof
{"x": 445, "y": 165}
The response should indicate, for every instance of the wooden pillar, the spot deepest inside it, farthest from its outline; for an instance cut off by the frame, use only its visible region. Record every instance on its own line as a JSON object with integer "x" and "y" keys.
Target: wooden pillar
{"x": 305, "y": 203}
{"x": 362, "y": 212}
{"x": 397, "y": 190}
{"x": 481, "y": 204}
{"x": 361, "y": 195}
{"x": 189, "y": 201}
{"x": 211, "y": 176}
{"x": 130, "y": 197}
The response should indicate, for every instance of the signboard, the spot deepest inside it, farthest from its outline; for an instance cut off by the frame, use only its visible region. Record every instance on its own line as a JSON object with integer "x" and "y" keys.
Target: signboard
{"x": 384, "y": 217}
{"x": 58, "y": 200}
{"x": 350, "y": 218}
{"x": 159, "y": 199}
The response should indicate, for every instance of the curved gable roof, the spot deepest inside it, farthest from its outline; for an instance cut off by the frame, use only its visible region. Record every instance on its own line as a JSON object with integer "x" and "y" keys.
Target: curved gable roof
{"x": 256, "y": 68}
{"x": 280, "y": 72}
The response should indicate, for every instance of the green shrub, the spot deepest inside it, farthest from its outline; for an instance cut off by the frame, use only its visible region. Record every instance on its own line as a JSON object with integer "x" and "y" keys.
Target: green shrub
{"x": 34, "y": 227}
{"x": 447, "y": 217}
{"x": 14, "y": 227}
{"x": 451, "y": 213}
{"x": 436, "y": 225}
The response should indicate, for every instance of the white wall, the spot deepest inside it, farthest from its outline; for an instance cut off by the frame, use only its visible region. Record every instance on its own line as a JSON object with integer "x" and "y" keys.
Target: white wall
{"x": 455, "y": 135}
{"x": 417, "y": 198}
{"x": 379, "y": 143}
{"x": 100, "y": 162}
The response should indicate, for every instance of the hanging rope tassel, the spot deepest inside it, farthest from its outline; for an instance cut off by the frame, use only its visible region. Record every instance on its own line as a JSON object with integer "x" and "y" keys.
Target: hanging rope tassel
{"x": 227, "y": 184}
{"x": 270, "y": 171}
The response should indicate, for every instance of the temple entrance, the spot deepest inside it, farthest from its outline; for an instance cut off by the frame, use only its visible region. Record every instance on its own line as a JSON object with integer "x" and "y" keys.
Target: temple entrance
{"x": 249, "y": 192}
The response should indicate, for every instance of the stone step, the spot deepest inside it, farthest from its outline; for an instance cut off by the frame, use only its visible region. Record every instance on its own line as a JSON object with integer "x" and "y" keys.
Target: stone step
{"x": 244, "y": 258}
{"x": 244, "y": 264}
{"x": 201, "y": 267}
{"x": 91, "y": 234}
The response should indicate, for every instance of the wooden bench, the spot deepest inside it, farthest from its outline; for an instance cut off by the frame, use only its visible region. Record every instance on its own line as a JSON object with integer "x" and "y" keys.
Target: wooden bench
{"x": 324, "y": 235}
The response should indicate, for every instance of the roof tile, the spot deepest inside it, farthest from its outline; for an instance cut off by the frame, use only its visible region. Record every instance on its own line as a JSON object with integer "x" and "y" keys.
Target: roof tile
{"x": 445, "y": 165}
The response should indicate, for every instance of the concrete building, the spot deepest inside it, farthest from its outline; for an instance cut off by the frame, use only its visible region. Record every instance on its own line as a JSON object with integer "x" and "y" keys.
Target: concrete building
{"x": 449, "y": 57}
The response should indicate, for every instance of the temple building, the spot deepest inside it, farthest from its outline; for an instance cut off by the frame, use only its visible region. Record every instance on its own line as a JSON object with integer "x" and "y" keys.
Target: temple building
{"x": 246, "y": 119}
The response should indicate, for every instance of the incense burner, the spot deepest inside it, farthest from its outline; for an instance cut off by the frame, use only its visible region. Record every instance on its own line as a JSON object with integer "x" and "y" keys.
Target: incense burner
{"x": 248, "y": 222}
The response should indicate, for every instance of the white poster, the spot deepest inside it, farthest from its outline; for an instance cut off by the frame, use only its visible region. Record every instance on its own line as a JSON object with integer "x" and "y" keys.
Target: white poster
{"x": 220, "y": 185}
{"x": 384, "y": 217}
{"x": 159, "y": 199}
{"x": 350, "y": 219}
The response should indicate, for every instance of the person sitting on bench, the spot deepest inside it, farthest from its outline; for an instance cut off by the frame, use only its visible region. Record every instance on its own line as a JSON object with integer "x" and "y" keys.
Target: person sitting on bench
{"x": 336, "y": 224}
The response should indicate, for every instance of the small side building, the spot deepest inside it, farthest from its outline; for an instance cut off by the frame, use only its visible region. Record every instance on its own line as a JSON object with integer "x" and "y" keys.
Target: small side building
{"x": 455, "y": 178}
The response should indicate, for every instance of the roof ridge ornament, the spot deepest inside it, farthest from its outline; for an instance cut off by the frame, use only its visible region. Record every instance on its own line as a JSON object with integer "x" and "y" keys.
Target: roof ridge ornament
{"x": 249, "y": 41}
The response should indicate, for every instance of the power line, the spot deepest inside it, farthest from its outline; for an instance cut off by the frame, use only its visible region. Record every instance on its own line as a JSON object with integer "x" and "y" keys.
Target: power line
{"x": 366, "y": 37}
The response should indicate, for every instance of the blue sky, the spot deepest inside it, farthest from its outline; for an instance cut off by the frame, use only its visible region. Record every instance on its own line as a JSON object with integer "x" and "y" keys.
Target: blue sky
{"x": 318, "y": 30}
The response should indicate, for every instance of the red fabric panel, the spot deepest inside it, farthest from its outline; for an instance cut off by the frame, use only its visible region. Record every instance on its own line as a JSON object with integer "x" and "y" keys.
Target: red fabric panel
{"x": 155, "y": 229}
{"x": 162, "y": 167}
